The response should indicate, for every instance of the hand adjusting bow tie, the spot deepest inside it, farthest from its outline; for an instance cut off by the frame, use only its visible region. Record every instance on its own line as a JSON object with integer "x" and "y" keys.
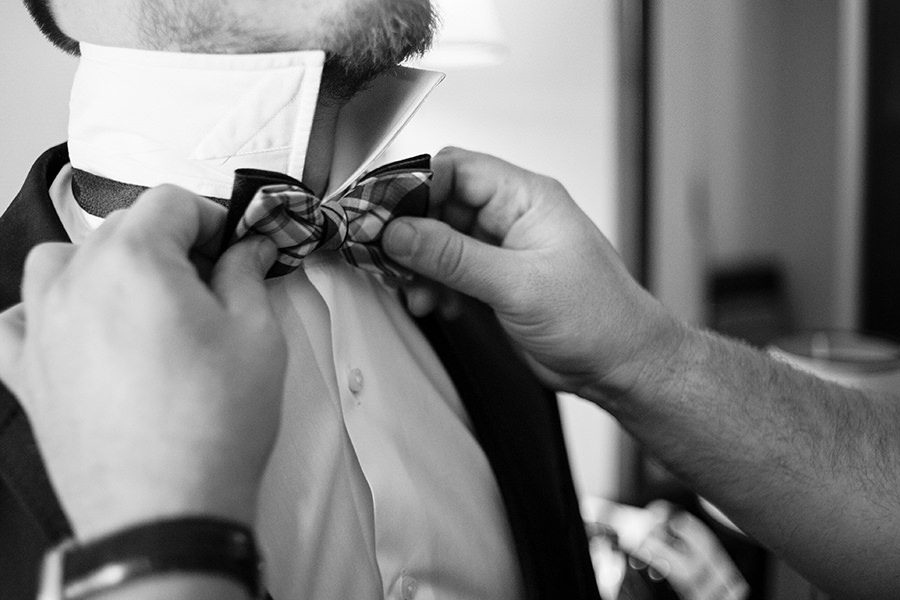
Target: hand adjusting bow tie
{"x": 291, "y": 215}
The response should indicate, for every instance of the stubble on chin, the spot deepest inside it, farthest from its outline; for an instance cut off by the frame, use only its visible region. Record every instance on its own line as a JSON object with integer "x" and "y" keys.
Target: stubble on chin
{"x": 370, "y": 37}
{"x": 361, "y": 38}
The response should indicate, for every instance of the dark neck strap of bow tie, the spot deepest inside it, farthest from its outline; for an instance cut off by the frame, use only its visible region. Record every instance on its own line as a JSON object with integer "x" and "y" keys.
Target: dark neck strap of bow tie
{"x": 246, "y": 183}
{"x": 100, "y": 196}
{"x": 397, "y": 189}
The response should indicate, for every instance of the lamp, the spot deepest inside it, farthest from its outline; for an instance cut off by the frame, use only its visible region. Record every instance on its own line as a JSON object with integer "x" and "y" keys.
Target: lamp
{"x": 470, "y": 36}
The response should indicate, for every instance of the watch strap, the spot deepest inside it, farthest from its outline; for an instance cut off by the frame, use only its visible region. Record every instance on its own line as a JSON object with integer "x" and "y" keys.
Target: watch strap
{"x": 184, "y": 545}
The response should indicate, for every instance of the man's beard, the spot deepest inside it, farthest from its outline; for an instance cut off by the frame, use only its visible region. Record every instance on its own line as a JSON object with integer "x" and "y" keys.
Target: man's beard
{"x": 371, "y": 38}
{"x": 361, "y": 38}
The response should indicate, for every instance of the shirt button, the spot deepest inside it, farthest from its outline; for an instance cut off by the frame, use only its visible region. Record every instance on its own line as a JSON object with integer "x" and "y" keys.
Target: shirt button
{"x": 355, "y": 380}
{"x": 408, "y": 587}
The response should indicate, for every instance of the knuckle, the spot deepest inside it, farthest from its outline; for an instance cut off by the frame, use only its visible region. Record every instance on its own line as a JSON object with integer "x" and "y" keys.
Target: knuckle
{"x": 37, "y": 257}
{"x": 167, "y": 193}
{"x": 165, "y": 198}
{"x": 125, "y": 256}
{"x": 130, "y": 245}
{"x": 449, "y": 153}
{"x": 45, "y": 260}
{"x": 450, "y": 258}
{"x": 551, "y": 186}
{"x": 114, "y": 219}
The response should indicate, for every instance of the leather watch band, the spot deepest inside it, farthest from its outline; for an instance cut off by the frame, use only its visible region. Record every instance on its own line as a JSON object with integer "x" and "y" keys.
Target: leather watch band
{"x": 185, "y": 545}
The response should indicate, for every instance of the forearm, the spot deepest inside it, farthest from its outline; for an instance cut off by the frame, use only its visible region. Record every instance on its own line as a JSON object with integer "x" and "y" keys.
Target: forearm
{"x": 808, "y": 468}
{"x": 179, "y": 587}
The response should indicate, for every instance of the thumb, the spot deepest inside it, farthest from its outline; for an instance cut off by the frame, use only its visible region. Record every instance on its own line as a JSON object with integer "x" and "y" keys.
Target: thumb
{"x": 440, "y": 253}
{"x": 238, "y": 276}
{"x": 12, "y": 339}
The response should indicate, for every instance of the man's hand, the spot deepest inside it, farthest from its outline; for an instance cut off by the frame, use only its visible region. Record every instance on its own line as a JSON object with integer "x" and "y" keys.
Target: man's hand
{"x": 518, "y": 242}
{"x": 150, "y": 392}
{"x": 684, "y": 551}
{"x": 808, "y": 468}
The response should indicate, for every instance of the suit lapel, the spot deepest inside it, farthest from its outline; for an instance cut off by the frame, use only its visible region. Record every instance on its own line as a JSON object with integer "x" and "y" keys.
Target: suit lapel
{"x": 30, "y": 220}
{"x": 517, "y": 424}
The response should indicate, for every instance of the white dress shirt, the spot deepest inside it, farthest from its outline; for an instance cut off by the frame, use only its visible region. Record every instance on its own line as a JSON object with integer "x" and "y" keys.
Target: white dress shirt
{"x": 376, "y": 486}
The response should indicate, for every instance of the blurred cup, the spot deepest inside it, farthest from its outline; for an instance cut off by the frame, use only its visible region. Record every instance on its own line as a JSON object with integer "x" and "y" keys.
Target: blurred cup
{"x": 845, "y": 357}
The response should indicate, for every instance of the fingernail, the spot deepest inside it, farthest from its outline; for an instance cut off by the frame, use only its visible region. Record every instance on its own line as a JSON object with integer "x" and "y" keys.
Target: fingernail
{"x": 401, "y": 239}
{"x": 675, "y": 522}
{"x": 659, "y": 570}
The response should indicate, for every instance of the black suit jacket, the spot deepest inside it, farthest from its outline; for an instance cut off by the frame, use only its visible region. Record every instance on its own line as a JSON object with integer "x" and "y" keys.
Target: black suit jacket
{"x": 515, "y": 420}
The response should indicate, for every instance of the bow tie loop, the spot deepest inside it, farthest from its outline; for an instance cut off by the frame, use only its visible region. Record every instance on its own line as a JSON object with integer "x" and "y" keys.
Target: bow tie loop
{"x": 300, "y": 223}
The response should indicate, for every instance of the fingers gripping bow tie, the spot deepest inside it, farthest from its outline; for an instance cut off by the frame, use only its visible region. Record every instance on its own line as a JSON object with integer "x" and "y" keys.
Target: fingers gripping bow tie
{"x": 300, "y": 223}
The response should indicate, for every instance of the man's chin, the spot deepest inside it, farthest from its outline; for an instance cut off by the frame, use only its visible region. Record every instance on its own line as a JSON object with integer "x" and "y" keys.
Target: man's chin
{"x": 340, "y": 81}
{"x": 373, "y": 38}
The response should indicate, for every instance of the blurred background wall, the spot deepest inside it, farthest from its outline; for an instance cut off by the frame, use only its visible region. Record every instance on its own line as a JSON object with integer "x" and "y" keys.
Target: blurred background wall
{"x": 757, "y": 125}
{"x": 33, "y": 106}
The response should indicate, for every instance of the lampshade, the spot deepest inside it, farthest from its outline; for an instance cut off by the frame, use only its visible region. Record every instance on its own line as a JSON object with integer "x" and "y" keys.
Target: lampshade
{"x": 470, "y": 36}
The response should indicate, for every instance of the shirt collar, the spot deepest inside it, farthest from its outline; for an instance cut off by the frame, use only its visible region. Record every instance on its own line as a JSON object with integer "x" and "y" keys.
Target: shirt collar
{"x": 148, "y": 118}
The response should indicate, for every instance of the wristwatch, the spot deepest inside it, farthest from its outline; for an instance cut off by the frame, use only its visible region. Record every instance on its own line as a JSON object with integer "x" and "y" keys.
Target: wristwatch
{"x": 78, "y": 571}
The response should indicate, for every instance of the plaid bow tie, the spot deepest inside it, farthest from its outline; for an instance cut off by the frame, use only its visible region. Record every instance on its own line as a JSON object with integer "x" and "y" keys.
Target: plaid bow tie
{"x": 291, "y": 215}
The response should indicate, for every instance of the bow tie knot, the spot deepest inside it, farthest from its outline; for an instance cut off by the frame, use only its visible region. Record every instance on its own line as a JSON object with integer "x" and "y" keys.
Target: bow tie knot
{"x": 300, "y": 223}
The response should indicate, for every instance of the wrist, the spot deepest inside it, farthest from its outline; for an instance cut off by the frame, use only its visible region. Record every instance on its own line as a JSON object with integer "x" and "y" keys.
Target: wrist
{"x": 103, "y": 509}
{"x": 181, "y": 586}
{"x": 174, "y": 557}
{"x": 650, "y": 370}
